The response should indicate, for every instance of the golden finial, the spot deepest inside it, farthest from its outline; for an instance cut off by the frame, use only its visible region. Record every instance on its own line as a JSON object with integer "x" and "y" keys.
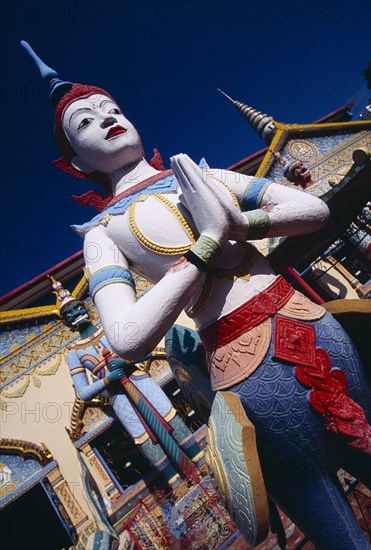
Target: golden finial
{"x": 63, "y": 295}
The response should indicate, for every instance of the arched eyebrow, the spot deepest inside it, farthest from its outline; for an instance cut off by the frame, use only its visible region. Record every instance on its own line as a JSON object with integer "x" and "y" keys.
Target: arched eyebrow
{"x": 79, "y": 110}
{"x": 108, "y": 101}
{"x": 90, "y": 109}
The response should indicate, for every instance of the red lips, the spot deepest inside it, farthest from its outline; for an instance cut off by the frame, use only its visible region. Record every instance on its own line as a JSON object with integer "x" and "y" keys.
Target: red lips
{"x": 115, "y": 131}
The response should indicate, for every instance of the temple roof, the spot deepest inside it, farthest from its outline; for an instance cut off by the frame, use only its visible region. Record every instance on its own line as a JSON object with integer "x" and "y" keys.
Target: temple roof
{"x": 250, "y": 164}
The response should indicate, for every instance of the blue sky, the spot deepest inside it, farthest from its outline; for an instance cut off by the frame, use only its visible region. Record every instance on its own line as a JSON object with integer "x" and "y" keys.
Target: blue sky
{"x": 162, "y": 61}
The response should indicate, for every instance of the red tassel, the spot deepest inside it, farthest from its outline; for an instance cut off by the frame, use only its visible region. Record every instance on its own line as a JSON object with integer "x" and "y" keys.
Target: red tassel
{"x": 328, "y": 396}
{"x": 93, "y": 198}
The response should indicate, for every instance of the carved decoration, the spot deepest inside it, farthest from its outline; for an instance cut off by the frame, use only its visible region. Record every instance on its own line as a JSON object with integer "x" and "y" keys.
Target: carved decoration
{"x": 7, "y": 485}
{"x": 33, "y": 313}
{"x": 302, "y": 150}
{"x": 27, "y": 449}
{"x": 76, "y": 514}
{"x": 77, "y": 426}
{"x": 85, "y": 537}
{"x": 341, "y": 414}
{"x": 95, "y": 462}
{"x": 191, "y": 518}
{"x": 345, "y": 202}
{"x": 327, "y": 157}
{"x": 157, "y": 365}
{"x": 232, "y": 456}
{"x": 294, "y": 341}
{"x": 19, "y": 386}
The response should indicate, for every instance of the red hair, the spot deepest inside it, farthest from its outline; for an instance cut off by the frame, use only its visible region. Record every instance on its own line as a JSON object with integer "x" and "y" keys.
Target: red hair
{"x": 64, "y": 163}
{"x": 77, "y": 91}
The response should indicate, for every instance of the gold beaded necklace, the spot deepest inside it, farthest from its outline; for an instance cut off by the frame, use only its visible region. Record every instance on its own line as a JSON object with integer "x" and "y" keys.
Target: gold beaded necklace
{"x": 148, "y": 243}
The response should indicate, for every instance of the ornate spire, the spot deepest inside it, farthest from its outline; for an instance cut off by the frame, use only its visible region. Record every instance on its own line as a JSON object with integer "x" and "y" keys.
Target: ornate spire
{"x": 262, "y": 124}
{"x": 63, "y": 295}
{"x": 58, "y": 87}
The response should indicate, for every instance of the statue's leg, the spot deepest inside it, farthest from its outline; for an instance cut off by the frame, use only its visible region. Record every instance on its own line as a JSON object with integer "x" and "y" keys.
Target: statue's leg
{"x": 291, "y": 439}
{"x": 344, "y": 356}
{"x": 156, "y": 456}
{"x": 186, "y": 441}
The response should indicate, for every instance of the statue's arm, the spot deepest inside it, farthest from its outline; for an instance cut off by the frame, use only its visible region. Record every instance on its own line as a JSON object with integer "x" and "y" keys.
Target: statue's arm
{"x": 286, "y": 211}
{"x": 85, "y": 390}
{"x": 134, "y": 328}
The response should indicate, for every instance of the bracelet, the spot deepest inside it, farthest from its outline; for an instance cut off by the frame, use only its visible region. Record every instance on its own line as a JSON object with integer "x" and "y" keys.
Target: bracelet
{"x": 77, "y": 370}
{"x": 203, "y": 252}
{"x": 106, "y": 381}
{"x": 254, "y": 192}
{"x": 259, "y": 224}
{"x": 197, "y": 261}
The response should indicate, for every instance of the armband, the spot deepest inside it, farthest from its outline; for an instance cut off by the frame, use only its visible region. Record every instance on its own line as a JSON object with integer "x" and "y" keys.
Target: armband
{"x": 254, "y": 192}
{"x": 77, "y": 370}
{"x": 259, "y": 224}
{"x": 203, "y": 252}
{"x": 109, "y": 275}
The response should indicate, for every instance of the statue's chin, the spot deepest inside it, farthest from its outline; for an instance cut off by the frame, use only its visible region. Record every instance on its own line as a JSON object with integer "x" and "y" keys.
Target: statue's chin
{"x": 128, "y": 156}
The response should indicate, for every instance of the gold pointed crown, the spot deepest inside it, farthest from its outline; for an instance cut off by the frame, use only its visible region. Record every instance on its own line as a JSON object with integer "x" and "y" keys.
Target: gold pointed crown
{"x": 63, "y": 295}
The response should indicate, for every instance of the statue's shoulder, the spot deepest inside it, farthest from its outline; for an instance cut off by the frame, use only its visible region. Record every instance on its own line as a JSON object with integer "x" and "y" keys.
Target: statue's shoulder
{"x": 163, "y": 183}
{"x": 84, "y": 228}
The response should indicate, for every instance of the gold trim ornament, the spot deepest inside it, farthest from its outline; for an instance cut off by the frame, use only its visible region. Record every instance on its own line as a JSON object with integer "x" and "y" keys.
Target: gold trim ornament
{"x": 148, "y": 243}
{"x": 27, "y": 449}
{"x": 76, "y": 428}
{"x": 63, "y": 295}
{"x": 302, "y": 149}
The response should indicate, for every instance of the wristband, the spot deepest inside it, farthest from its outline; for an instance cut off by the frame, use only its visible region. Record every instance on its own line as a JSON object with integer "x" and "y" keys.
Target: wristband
{"x": 259, "y": 224}
{"x": 203, "y": 252}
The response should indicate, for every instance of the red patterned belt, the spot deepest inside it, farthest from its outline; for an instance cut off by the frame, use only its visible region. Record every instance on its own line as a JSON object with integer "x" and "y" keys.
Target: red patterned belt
{"x": 249, "y": 315}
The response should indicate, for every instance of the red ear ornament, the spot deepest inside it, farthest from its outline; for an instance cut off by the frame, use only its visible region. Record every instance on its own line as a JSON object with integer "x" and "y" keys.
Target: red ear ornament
{"x": 90, "y": 198}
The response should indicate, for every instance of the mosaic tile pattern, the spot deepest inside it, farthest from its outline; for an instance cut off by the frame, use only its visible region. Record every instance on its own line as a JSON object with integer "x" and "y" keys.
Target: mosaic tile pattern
{"x": 328, "y": 158}
{"x": 10, "y": 339}
{"x": 15, "y": 472}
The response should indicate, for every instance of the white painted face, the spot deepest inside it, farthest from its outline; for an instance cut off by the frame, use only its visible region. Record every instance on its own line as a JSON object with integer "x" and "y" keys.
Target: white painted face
{"x": 102, "y": 138}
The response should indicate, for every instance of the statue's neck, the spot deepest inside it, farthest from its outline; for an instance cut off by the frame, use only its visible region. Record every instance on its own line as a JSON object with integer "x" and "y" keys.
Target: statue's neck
{"x": 131, "y": 175}
{"x": 88, "y": 331}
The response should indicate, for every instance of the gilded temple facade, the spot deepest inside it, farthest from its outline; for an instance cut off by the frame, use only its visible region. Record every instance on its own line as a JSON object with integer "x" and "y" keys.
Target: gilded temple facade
{"x": 335, "y": 152}
{"x": 72, "y": 460}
